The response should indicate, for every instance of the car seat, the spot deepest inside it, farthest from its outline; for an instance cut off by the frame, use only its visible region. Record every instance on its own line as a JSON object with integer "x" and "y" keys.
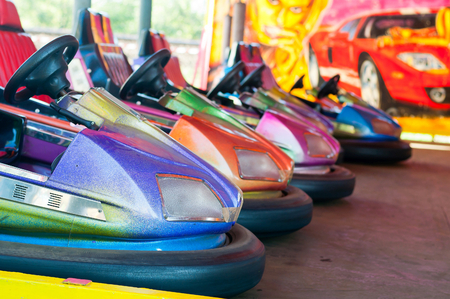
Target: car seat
{"x": 15, "y": 45}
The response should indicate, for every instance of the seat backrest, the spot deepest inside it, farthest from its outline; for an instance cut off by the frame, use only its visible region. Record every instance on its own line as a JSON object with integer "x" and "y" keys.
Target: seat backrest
{"x": 152, "y": 41}
{"x": 250, "y": 54}
{"x": 108, "y": 64}
{"x": 15, "y": 45}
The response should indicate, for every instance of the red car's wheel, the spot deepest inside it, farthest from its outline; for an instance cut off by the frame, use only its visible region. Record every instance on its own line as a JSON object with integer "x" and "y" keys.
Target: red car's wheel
{"x": 313, "y": 69}
{"x": 373, "y": 89}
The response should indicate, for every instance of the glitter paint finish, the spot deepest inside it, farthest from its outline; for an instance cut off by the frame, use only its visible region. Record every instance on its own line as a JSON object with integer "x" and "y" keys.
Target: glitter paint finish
{"x": 286, "y": 128}
{"x": 269, "y": 99}
{"x": 351, "y": 113}
{"x": 218, "y": 126}
{"x": 108, "y": 169}
{"x": 361, "y": 118}
{"x": 216, "y": 143}
{"x": 201, "y": 242}
{"x": 289, "y": 133}
{"x": 214, "y": 135}
{"x": 298, "y": 106}
{"x": 117, "y": 166}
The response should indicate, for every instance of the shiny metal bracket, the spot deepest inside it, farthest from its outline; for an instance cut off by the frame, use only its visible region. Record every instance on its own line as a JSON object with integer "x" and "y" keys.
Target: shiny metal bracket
{"x": 49, "y": 133}
{"x": 34, "y": 195}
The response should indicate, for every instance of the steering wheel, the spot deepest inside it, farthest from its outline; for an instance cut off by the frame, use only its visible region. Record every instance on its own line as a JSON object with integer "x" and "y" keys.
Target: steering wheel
{"x": 148, "y": 78}
{"x": 330, "y": 87}
{"x": 254, "y": 79}
{"x": 44, "y": 72}
{"x": 230, "y": 82}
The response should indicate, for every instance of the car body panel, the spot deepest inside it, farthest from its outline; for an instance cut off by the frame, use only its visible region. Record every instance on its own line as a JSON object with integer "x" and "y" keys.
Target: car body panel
{"x": 117, "y": 166}
{"x": 403, "y": 82}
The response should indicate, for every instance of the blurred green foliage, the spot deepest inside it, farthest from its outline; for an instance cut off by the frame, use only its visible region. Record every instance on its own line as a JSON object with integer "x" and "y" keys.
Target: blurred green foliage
{"x": 176, "y": 18}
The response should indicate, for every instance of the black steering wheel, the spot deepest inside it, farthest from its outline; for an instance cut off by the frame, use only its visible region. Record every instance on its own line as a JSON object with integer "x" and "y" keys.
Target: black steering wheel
{"x": 230, "y": 82}
{"x": 148, "y": 78}
{"x": 44, "y": 72}
{"x": 330, "y": 87}
{"x": 254, "y": 79}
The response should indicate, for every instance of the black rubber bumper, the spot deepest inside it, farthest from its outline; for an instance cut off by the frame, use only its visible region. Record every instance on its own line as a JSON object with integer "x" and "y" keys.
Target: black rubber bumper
{"x": 222, "y": 272}
{"x": 375, "y": 151}
{"x": 340, "y": 158}
{"x": 338, "y": 183}
{"x": 277, "y": 216}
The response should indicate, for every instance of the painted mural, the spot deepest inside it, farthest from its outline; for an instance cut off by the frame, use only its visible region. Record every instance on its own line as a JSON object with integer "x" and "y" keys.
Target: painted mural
{"x": 394, "y": 54}
{"x": 281, "y": 27}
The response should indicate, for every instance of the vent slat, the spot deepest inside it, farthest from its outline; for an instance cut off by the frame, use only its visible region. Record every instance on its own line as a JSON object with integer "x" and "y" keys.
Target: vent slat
{"x": 19, "y": 192}
{"x": 55, "y": 200}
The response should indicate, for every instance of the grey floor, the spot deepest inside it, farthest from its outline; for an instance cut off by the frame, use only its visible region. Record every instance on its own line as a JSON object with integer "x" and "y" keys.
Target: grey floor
{"x": 390, "y": 239}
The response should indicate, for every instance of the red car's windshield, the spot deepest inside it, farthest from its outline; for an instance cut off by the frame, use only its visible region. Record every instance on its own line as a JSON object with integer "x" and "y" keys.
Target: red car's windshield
{"x": 378, "y": 26}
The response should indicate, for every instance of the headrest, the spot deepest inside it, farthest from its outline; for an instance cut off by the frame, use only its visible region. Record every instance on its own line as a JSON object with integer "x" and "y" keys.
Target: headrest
{"x": 93, "y": 28}
{"x": 152, "y": 41}
{"x": 9, "y": 16}
{"x": 250, "y": 53}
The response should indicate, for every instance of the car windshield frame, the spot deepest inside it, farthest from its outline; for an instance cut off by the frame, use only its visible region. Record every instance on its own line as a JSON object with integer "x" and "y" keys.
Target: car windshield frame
{"x": 369, "y": 29}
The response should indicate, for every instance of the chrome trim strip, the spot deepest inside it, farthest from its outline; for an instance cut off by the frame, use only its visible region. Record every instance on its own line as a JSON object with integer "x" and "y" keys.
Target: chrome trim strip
{"x": 22, "y": 173}
{"x": 317, "y": 170}
{"x": 48, "y": 133}
{"x": 34, "y": 195}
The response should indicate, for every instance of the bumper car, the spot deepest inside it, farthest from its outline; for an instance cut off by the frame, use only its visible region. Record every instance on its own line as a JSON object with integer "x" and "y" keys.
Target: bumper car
{"x": 258, "y": 167}
{"x": 314, "y": 173}
{"x": 122, "y": 204}
{"x": 289, "y": 208}
{"x": 314, "y": 151}
{"x": 365, "y": 133}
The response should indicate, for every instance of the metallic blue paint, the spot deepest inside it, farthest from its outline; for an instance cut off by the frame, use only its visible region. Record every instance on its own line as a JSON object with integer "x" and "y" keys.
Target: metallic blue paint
{"x": 361, "y": 117}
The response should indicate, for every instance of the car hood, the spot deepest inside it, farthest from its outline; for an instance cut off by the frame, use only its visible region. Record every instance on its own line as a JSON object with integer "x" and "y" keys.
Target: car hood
{"x": 362, "y": 119}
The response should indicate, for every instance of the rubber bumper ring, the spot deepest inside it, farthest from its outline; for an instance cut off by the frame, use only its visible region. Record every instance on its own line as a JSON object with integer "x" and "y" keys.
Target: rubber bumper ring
{"x": 277, "y": 216}
{"x": 338, "y": 183}
{"x": 375, "y": 151}
{"x": 222, "y": 272}
{"x": 340, "y": 158}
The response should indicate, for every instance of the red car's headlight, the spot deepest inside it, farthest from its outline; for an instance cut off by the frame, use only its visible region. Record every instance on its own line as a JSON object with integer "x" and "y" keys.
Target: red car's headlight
{"x": 421, "y": 61}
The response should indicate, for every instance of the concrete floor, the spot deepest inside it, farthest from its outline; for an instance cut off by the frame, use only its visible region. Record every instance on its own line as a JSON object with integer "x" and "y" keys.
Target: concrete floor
{"x": 390, "y": 239}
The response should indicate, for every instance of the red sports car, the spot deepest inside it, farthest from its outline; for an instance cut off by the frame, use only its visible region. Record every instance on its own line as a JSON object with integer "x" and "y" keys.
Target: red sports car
{"x": 387, "y": 58}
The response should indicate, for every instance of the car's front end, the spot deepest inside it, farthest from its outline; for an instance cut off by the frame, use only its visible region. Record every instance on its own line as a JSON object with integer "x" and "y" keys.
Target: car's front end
{"x": 365, "y": 133}
{"x": 121, "y": 192}
{"x": 417, "y": 75}
{"x": 313, "y": 150}
{"x": 253, "y": 163}
{"x": 369, "y": 135}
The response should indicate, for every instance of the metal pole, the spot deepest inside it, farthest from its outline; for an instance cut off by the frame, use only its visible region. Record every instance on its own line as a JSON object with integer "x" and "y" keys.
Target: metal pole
{"x": 77, "y": 6}
{"x": 145, "y": 18}
{"x": 238, "y": 23}
{"x": 226, "y": 36}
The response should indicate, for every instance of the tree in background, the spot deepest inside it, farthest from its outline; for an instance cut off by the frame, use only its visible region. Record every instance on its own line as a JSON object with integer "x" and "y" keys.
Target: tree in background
{"x": 45, "y": 13}
{"x": 176, "y": 18}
